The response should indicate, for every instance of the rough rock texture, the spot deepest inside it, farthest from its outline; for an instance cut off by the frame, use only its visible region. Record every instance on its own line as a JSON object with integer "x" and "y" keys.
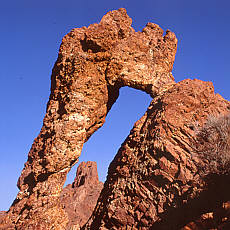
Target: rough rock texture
{"x": 79, "y": 198}
{"x": 93, "y": 63}
{"x": 218, "y": 219}
{"x": 5, "y": 223}
{"x": 152, "y": 182}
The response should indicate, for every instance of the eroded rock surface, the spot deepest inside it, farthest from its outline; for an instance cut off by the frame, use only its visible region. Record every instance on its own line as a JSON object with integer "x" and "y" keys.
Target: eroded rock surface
{"x": 152, "y": 182}
{"x": 93, "y": 63}
{"x": 79, "y": 198}
{"x": 5, "y": 223}
{"x": 218, "y": 218}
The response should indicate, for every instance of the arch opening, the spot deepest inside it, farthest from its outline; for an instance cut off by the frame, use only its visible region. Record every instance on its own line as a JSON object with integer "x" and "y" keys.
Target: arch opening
{"x": 103, "y": 145}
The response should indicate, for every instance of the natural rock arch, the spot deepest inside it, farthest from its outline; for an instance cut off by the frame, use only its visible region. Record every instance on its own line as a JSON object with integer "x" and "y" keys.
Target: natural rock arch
{"x": 153, "y": 181}
{"x": 93, "y": 63}
{"x": 103, "y": 145}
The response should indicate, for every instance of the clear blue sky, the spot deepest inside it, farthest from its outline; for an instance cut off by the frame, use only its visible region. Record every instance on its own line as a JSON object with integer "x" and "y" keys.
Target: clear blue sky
{"x": 30, "y": 36}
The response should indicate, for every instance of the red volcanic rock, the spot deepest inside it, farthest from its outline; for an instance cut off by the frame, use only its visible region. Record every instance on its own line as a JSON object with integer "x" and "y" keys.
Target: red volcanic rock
{"x": 152, "y": 182}
{"x": 5, "y": 223}
{"x": 210, "y": 221}
{"x": 86, "y": 175}
{"x": 93, "y": 63}
{"x": 79, "y": 199}
{"x": 219, "y": 219}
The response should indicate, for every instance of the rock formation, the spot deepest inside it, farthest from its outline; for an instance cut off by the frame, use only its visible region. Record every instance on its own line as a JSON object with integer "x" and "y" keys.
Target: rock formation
{"x": 152, "y": 182}
{"x": 5, "y": 223}
{"x": 79, "y": 198}
{"x": 93, "y": 63}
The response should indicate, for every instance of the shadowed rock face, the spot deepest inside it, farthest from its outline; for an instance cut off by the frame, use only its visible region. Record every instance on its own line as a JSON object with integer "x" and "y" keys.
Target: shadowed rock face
{"x": 79, "y": 198}
{"x": 93, "y": 63}
{"x": 218, "y": 218}
{"x": 152, "y": 182}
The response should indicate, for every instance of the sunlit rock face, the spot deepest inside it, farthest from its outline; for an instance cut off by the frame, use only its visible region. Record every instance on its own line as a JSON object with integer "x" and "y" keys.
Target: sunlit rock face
{"x": 153, "y": 182}
{"x": 93, "y": 63}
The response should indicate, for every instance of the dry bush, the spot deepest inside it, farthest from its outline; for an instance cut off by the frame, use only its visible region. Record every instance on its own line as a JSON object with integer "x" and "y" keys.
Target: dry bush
{"x": 212, "y": 146}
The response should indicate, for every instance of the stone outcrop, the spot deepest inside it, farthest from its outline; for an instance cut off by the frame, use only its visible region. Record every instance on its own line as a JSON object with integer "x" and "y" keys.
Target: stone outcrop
{"x": 93, "y": 63}
{"x": 79, "y": 198}
{"x": 152, "y": 182}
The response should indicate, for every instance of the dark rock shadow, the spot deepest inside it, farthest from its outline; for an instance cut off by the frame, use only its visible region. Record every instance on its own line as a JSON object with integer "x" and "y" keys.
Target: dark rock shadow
{"x": 210, "y": 199}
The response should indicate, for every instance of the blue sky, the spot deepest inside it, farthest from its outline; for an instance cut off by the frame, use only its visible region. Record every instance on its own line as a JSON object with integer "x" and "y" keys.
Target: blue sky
{"x": 30, "y": 36}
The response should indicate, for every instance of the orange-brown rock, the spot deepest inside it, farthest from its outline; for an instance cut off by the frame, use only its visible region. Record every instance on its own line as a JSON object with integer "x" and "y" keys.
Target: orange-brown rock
{"x": 5, "y": 223}
{"x": 152, "y": 182}
{"x": 93, "y": 63}
{"x": 79, "y": 198}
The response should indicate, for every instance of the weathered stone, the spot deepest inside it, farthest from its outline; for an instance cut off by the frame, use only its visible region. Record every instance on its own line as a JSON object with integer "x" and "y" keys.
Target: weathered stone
{"x": 5, "y": 223}
{"x": 93, "y": 63}
{"x": 79, "y": 198}
{"x": 153, "y": 182}
{"x": 218, "y": 219}
{"x": 160, "y": 170}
